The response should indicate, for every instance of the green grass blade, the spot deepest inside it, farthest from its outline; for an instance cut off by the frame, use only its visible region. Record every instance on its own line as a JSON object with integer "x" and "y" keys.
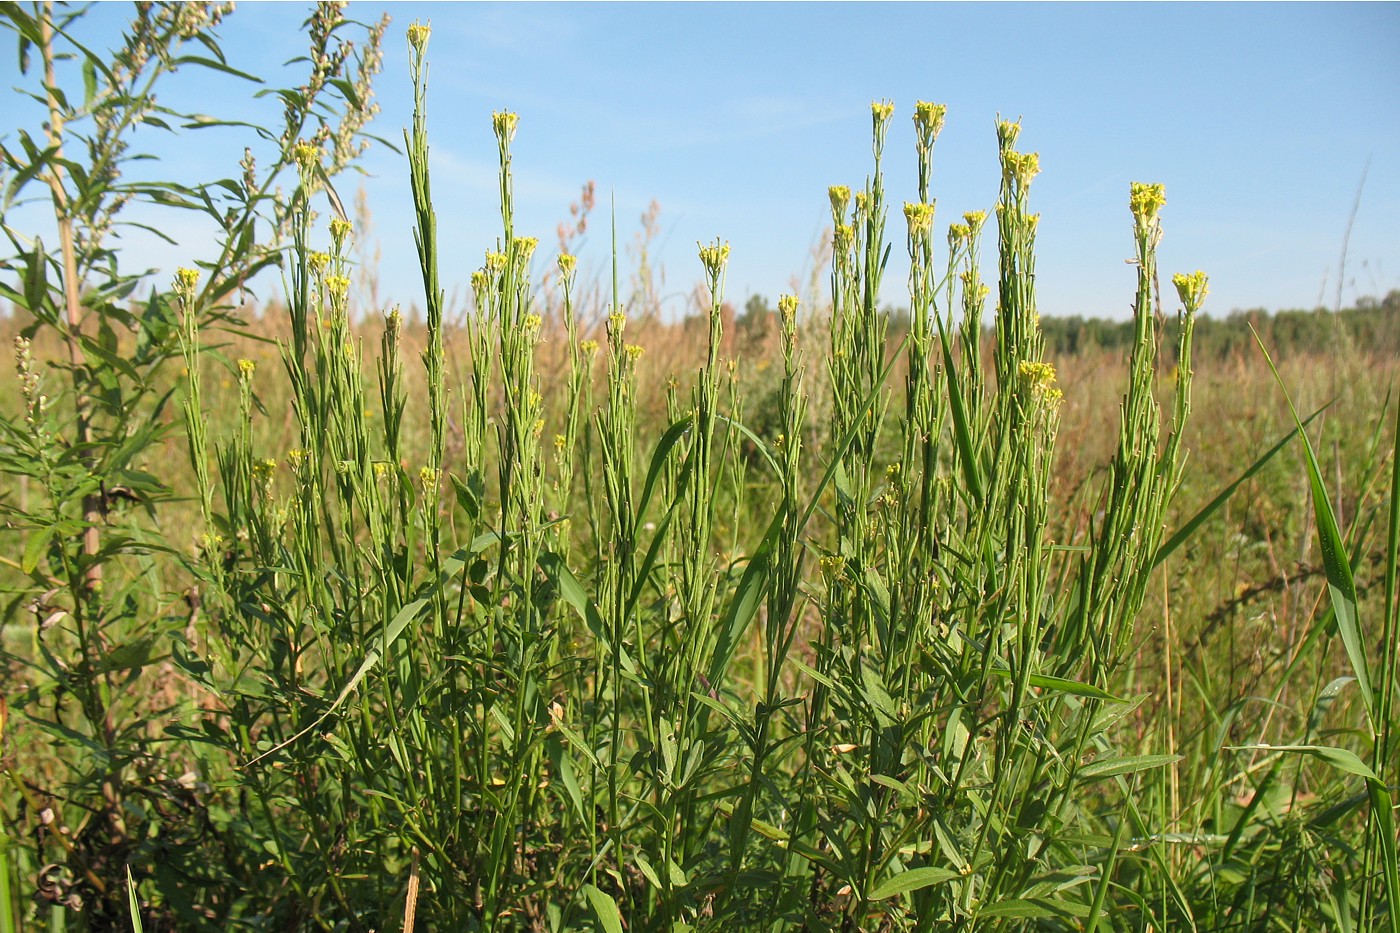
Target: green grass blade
{"x": 8, "y": 920}
{"x": 1384, "y": 815}
{"x": 1184, "y": 533}
{"x": 962, "y": 429}
{"x": 1341, "y": 587}
{"x": 133, "y": 903}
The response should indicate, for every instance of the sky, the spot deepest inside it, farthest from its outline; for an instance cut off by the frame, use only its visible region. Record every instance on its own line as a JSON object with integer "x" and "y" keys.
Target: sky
{"x": 1263, "y": 121}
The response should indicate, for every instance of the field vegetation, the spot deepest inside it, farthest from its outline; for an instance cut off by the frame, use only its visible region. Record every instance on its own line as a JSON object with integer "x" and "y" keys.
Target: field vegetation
{"x": 543, "y": 613}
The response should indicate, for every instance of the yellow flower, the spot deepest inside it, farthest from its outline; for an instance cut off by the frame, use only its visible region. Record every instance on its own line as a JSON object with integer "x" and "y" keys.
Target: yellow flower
{"x": 245, "y": 369}
{"x": 567, "y": 263}
{"x": 1021, "y": 166}
{"x": 539, "y": 427}
{"x": 532, "y": 323}
{"x": 928, "y": 118}
{"x": 526, "y": 245}
{"x": 1192, "y": 288}
{"x": 714, "y": 257}
{"x": 338, "y": 286}
{"x": 428, "y": 477}
{"x": 418, "y": 35}
{"x": 787, "y": 307}
{"x": 318, "y": 261}
{"x": 186, "y": 279}
{"x": 617, "y": 322}
{"x": 975, "y": 219}
{"x": 958, "y": 232}
{"x": 560, "y": 441}
{"x": 634, "y": 352}
{"x": 1007, "y": 132}
{"x": 589, "y": 346}
{"x": 340, "y": 228}
{"x": 479, "y": 281}
{"x": 881, "y": 110}
{"x": 919, "y": 217}
{"x": 503, "y": 122}
{"x": 306, "y": 154}
{"x": 840, "y": 196}
{"x": 495, "y": 262}
{"x": 1039, "y": 378}
{"x": 1146, "y": 200}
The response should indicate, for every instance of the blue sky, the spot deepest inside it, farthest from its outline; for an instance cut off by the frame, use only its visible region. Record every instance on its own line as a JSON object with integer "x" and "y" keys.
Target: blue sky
{"x": 1259, "y": 118}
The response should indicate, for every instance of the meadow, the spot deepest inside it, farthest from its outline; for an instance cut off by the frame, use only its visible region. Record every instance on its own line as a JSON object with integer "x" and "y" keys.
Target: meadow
{"x": 544, "y": 613}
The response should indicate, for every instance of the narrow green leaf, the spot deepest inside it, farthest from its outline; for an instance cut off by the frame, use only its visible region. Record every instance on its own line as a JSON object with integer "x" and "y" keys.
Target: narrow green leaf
{"x": 912, "y": 880}
{"x": 1340, "y": 585}
{"x": 604, "y": 908}
{"x": 1340, "y": 758}
{"x": 1184, "y": 533}
{"x": 1109, "y": 767}
{"x": 1017, "y": 908}
{"x": 133, "y": 903}
{"x": 34, "y": 548}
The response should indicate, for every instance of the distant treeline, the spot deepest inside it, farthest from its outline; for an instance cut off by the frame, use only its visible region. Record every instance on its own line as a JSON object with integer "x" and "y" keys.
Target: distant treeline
{"x": 1372, "y": 326}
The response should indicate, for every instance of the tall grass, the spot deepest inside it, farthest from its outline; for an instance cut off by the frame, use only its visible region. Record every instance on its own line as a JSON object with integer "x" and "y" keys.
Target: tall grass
{"x": 480, "y": 653}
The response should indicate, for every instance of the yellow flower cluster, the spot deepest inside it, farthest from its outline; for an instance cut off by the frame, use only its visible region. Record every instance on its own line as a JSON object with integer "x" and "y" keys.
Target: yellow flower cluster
{"x": 567, "y": 263}
{"x": 634, "y": 352}
{"x": 617, "y": 322}
{"x": 1192, "y": 288}
{"x": 714, "y": 257}
{"x": 503, "y": 122}
{"x": 532, "y": 323}
{"x": 1146, "y": 200}
{"x": 787, "y": 307}
{"x": 418, "y": 35}
{"x": 1039, "y": 377}
{"x": 928, "y": 118}
{"x": 186, "y": 279}
{"x": 1022, "y": 166}
{"x": 306, "y": 154}
{"x": 318, "y": 261}
{"x": 919, "y": 216}
{"x": 882, "y": 110}
{"x": 589, "y": 347}
{"x": 840, "y": 196}
{"x": 245, "y": 369}
{"x": 526, "y": 245}
{"x": 1007, "y": 133}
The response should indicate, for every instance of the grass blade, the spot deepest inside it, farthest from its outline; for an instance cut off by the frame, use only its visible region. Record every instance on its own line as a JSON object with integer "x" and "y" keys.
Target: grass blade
{"x": 1184, "y": 533}
{"x": 1341, "y": 587}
